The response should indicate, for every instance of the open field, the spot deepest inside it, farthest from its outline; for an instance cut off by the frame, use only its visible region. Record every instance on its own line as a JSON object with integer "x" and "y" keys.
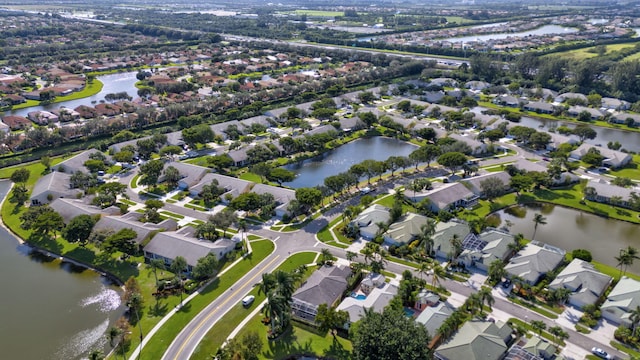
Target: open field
{"x": 589, "y": 52}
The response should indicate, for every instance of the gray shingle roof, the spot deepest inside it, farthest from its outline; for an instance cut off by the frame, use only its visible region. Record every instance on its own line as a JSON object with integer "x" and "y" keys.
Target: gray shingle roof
{"x": 475, "y": 183}
{"x": 70, "y": 208}
{"x": 76, "y": 163}
{"x": 324, "y": 286}
{"x": 533, "y": 261}
{"x": 234, "y": 185}
{"x": 171, "y": 244}
{"x": 130, "y": 221}
{"x": 191, "y": 174}
{"x": 55, "y": 182}
{"x": 584, "y": 280}
{"x": 476, "y": 339}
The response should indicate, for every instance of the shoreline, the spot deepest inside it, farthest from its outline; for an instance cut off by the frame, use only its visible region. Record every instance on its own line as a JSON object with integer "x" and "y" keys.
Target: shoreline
{"x": 116, "y": 281}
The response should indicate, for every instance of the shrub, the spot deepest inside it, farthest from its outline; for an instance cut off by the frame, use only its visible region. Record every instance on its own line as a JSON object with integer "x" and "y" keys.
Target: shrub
{"x": 582, "y": 254}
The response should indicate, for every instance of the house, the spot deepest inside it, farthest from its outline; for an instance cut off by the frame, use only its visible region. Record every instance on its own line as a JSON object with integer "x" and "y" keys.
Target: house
{"x": 475, "y": 183}
{"x": 119, "y": 146}
{"x": 168, "y": 245}
{"x": 447, "y": 196}
{"x": 239, "y": 156}
{"x": 425, "y": 299}
{"x": 540, "y": 107}
{"x": 4, "y": 127}
{"x": 576, "y": 110}
{"x": 477, "y": 340}
{"x": 52, "y": 186}
{"x": 144, "y": 231}
{"x": 371, "y": 282}
{"x": 487, "y": 247}
{"x": 477, "y": 147}
{"x": 368, "y": 219}
{"x": 612, "y": 158}
{"x": 623, "y": 117}
{"x": 534, "y": 261}
{"x": 220, "y": 128}
{"x": 434, "y": 316}
{"x": 405, "y": 230}
{"x": 586, "y": 283}
{"x": 559, "y": 139}
{"x": 610, "y": 194}
{"x": 443, "y": 82}
{"x": 190, "y": 174}
{"x": 232, "y": 185}
{"x": 16, "y": 122}
{"x": 325, "y": 286}
{"x": 376, "y": 300}
{"x": 445, "y": 232}
{"x": 526, "y": 165}
{"x": 282, "y": 197}
{"x": 42, "y": 117}
{"x": 540, "y": 347}
{"x": 623, "y": 298}
{"x": 569, "y": 95}
{"x": 433, "y": 96}
{"x": 477, "y": 85}
{"x": 507, "y": 100}
{"x": 70, "y": 208}
{"x": 351, "y": 124}
{"x": 76, "y": 162}
{"x": 615, "y": 104}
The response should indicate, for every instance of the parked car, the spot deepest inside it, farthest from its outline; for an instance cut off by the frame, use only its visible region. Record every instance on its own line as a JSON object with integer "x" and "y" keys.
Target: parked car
{"x": 248, "y": 300}
{"x": 506, "y": 284}
{"x": 600, "y": 353}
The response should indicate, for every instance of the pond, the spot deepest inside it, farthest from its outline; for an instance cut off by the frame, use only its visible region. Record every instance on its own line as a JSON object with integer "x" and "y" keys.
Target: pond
{"x": 571, "y": 229}
{"x": 312, "y": 172}
{"x": 543, "y": 30}
{"x": 51, "y": 309}
{"x": 112, "y": 83}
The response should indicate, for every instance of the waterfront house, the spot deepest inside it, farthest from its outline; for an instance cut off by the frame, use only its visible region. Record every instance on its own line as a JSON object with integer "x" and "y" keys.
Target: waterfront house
{"x": 70, "y": 208}
{"x": 610, "y": 194}
{"x": 595, "y": 114}
{"x": 534, "y": 261}
{"x": 612, "y": 158}
{"x": 475, "y": 183}
{"x": 446, "y": 196}
{"x": 585, "y": 282}
{"x": 487, "y": 247}
{"x": 16, "y": 122}
{"x": 623, "y": 298}
{"x": 144, "y": 231}
{"x": 540, "y": 107}
{"x": 52, "y": 186}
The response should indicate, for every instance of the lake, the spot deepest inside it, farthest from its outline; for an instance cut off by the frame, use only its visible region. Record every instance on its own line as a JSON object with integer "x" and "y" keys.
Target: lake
{"x": 543, "y": 30}
{"x": 51, "y": 309}
{"x": 312, "y": 172}
{"x": 572, "y": 229}
{"x": 113, "y": 83}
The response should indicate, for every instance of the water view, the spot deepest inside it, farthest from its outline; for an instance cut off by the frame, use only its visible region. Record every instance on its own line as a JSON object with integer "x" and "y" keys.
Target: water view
{"x": 51, "y": 309}
{"x": 311, "y": 172}
{"x": 113, "y": 83}
{"x": 543, "y": 30}
{"x": 571, "y": 229}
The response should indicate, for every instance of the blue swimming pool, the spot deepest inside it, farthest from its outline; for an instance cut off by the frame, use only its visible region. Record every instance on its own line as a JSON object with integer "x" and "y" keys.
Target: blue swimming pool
{"x": 409, "y": 312}
{"x": 358, "y": 296}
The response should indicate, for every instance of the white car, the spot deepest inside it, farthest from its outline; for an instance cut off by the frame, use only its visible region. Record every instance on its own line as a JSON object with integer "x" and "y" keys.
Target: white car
{"x": 248, "y": 300}
{"x": 600, "y": 353}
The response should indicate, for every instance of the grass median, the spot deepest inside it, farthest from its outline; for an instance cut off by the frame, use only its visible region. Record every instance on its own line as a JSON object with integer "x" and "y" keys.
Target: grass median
{"x": 162, "y": 339}
{"x": 223, "y": 328}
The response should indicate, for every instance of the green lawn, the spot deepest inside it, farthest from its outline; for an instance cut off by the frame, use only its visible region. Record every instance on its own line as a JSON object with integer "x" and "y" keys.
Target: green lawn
{"x": 223, "y": 328}
{"x": 163, "y": 338}
{"x": 249, "y": 176}
{"x": 134, "y": 181}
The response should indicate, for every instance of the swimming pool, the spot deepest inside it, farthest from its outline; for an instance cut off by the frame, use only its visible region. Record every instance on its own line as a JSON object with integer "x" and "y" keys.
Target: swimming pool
{"x": 358, "y": 296}
{"x": 409, "y": 312}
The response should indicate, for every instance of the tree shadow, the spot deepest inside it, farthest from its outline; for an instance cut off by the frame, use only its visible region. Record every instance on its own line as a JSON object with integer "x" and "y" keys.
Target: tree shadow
{"x": 212, "y": 286}
{"x": 337, "y": 350}
{"x": 286, "y": 345}
{"x": 46, "y": 242}
{"x": 159, "y": 309}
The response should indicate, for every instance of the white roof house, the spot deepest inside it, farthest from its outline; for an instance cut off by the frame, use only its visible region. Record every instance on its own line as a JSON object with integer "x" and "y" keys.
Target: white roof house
{"x": 475, "y": 183}
{"x": 405, "y": 230}
{"x": 477, "y": 340}
{"x": 491, "y": 245}
{"x": 623, "y": 298}
{"x": 586, "y": 283}
{"x": 445, "y": 232}
{"x": 377, "y": 300}
{"x": 446, "y": 196}
{"x": 612, "y": 158}
{"x": 52, "y": 186}
{"x": 433, "y": 317}
{"x": 368, "y": 219}
{"x": 534, "y": 261}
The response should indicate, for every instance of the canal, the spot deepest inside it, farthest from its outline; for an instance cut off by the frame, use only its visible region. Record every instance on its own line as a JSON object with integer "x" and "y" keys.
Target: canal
{"x": 51, "y": 309}
{"x": 572, "y": 229}
{"x": 312, "y": 172}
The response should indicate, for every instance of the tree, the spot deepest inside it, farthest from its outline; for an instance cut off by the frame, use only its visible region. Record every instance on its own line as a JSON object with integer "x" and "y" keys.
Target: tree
{"x": 281, "y": 175}
{"x": 486, "y": 297}
{"x": 122, "y": 241}
{"x": 156, "y": 264}
{"x": 20, "y": 176}
{"x": 150, "y": 172}
{"x": 107, "y": 194}
{"x": 634, "y": 316}
{"x": 584, "y": 131}
{"x": 538, "y": 326}
{"x": 452, "y": 160}
{"x": 145, "y": 148}
{"x": 425, "y": 154}
{"x": 207, "y": 230}
{"x": 520, "y": 183}
{"x": 48, "y": 222}
{"x": 172, "y": 176}
{"x": 558, "y": 334}
{"x": 178, "y": 265}
{"x": 308, "y": 197}
{"x": 582, "y": 254}
{"x": 326, "y": 258}
{"x": 538, "y": 219}
{"x": 261, "y": 169}
{"x": 151, "y": 210}
{"x": 492, "y": 188}
{"x": 389, "y": 335}
{"x": 626, "y": 258}
{"x": 496, "y": 271}
{"x": 206, "y": 267}
{"x": 368, "y": 118}
{"x": 79, "y": 229}
{"x": 328, "y": 318}
{"x": 223, "y": 220}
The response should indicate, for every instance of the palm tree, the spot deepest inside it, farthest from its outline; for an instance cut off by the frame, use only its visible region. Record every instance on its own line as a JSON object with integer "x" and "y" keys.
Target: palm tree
{"x": 631, "y": 255}
{"x": 351, "y": 255}
{"x": 456, "y": 245}
{"x": 438, "y": 273}
{"x": 426, "y": 235}
{"x": 486, "y": 297}
{"x": 558, "y": 334}
{"x": 635, "y": 319}
{"x": 156, "y": 264}
{"x": 496, "y": 271}
{"x": 326, "y": 258}
{"x": 538, "y": 219}
{"x": 474, "y": 303}
{"x": 538, "y": 326}
{"x": 368, "y": 254}
{"x": 423, "y": 269}
{"x": 268, "y": 282}
{"x": 96, "y": 355}
{"x": 178, "y": 266}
